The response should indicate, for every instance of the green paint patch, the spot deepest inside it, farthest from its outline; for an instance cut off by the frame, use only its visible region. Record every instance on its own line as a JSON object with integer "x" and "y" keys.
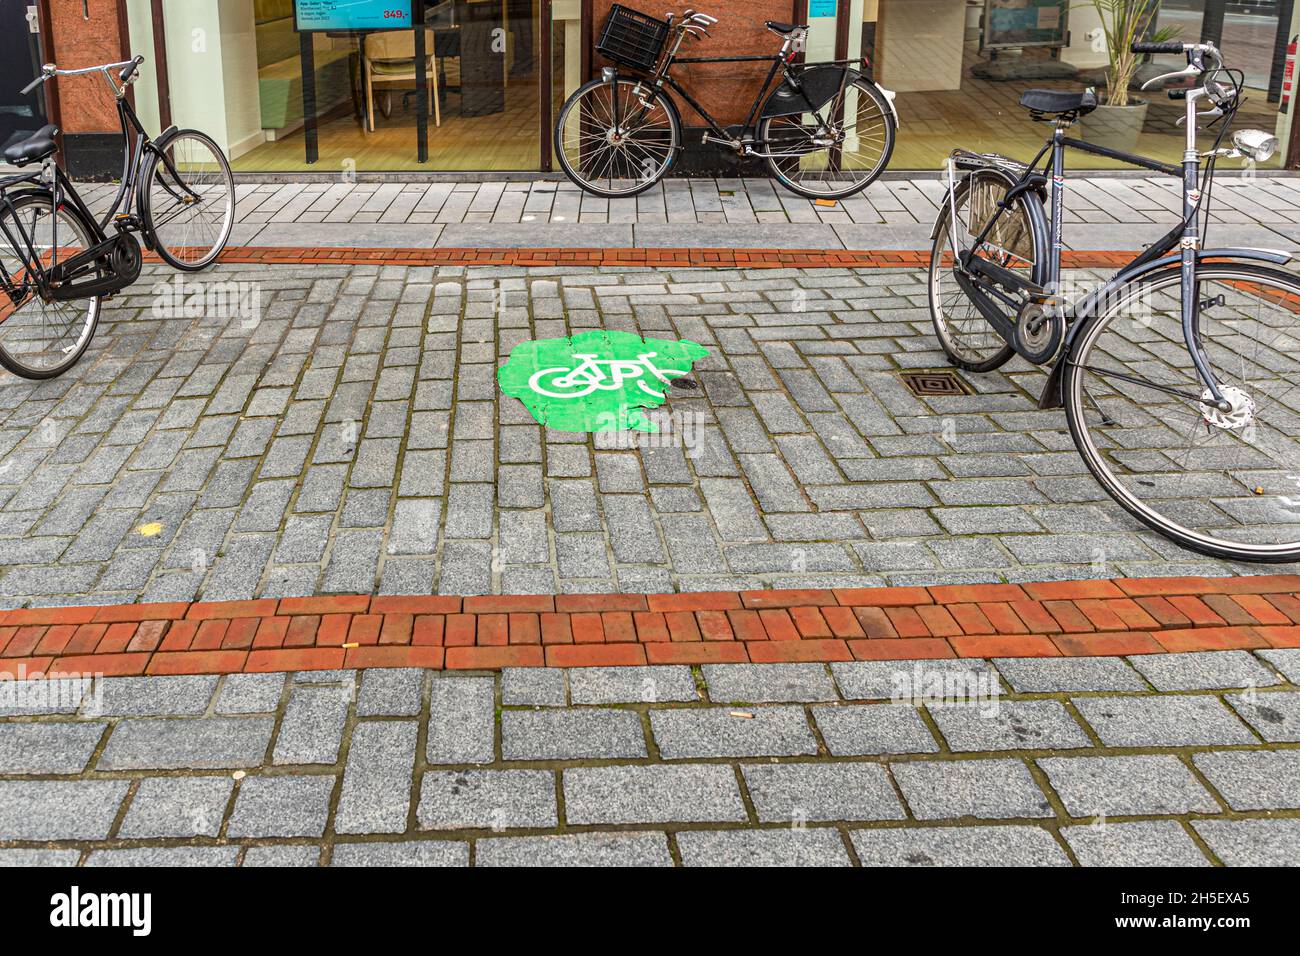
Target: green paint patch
{"x": 596, "y": 381}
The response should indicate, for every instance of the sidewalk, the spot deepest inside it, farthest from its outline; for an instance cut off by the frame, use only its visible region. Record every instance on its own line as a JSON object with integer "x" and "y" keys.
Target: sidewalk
{"x": 1178, "y": 760}
{"x": 1103, "y": 213}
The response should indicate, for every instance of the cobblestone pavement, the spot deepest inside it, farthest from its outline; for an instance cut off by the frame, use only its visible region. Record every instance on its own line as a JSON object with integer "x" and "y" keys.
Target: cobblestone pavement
{"x": 1186, "y": 759}
{"x": 353, "y": 439}
{"x": 738, "y": 213}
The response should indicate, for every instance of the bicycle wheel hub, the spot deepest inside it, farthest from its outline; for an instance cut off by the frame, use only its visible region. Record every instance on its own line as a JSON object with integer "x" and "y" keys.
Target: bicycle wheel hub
{"x": 1241, "y": 414}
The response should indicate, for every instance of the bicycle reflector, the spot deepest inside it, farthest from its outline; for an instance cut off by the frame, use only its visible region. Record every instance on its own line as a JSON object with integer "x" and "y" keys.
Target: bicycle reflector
{"x": 1255, "y": 144}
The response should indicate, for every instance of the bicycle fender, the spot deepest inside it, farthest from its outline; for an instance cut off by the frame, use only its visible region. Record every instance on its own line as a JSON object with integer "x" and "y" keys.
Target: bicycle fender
{"x": 166, "y": 136}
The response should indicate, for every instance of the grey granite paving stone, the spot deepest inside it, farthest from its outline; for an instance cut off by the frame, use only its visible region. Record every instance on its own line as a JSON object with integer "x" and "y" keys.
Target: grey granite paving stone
{"x": 63, "y": 747}
{"x": 571, "y": 735}
{"x": 905, "y": 680}
{"x": 391, "y": 692}
{"x": 376, "y": 794}
{"x": 1254, "y": 779}
{"x": 1055, "y": 675}
{"x": 1204, "y": 670}
{"x": 631, "y": 685}
{"x": 487, "y": 800}
{"x": 1286, "y": 660}
{"x": 312, "y": 729}
{"x": 156, "y": 856}
{"x": 1275, "y": 716}
{"x": 532, "y": 686}
{"x": 1147, "y": 843}
{"x": 41, "y": 858}
{"x": 59, "y": 809}
{"x": 20, "y": 698}
{"x": 461, "y": 720}
{"x": 205, "y": 743}
{"x": 859, "y": 730}
{"x": 691, "y": 793}
{"x": 578, "y": 849}
{"x": 1252, "y": 842}
{"x": 803, "y": 793}
{"x": 987, "y": 789}
{"x": 1008, "y": 725}
{"x": 768, "y": 683}
{"x": 410, "y": 853}
{"x": 250, "y": 693}
{"x": 1126, "y": 785}
{"x": 1162, "y": 721}
{"x": 281, "y": 806}
{"x": 156, "y": 696}
{"x": 783, "y": 847}
{"x": 177, "y": 807}
{"x": 958, "y": 846}
{"x": 282, "y": 854}
{"x": 768, "y": 731}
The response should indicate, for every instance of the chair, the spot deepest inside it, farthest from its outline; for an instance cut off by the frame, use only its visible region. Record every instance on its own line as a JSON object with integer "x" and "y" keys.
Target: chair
{"x": 388, "y": 58}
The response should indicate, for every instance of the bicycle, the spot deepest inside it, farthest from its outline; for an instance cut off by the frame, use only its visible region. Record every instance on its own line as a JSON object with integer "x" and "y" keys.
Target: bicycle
{"x": 1175, "y": 373}
{"x": 826, "y": 131}
{"x": 57, "y": 262}
{"x": 589, "y": 376}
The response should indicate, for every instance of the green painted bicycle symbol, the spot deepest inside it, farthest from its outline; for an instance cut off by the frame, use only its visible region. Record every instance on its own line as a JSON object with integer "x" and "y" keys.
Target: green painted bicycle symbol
{"x": 596, "y": 381}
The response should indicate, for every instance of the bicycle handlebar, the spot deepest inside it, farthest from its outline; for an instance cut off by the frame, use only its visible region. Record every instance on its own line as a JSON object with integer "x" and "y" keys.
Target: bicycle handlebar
{"x": 1172, "y": 46}
{"x": 129, "y": 72}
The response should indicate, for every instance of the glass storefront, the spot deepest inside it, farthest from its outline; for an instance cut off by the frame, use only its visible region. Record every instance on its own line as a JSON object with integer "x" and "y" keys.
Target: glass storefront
{"x": 496, "y": 72}
{"x": 21, "y": 114}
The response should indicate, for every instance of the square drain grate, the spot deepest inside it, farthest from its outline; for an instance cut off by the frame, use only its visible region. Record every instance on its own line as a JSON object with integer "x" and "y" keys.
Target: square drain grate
{"x": 934, "y": 383}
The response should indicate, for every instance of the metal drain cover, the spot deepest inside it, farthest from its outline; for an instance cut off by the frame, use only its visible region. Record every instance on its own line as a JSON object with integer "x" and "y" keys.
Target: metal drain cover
{"x": 934, "y": 383}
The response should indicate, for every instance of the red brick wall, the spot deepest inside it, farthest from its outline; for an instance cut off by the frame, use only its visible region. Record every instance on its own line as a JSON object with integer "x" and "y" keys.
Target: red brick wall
{"x": 85, "y": 104}
{"x": 725, "y": 89}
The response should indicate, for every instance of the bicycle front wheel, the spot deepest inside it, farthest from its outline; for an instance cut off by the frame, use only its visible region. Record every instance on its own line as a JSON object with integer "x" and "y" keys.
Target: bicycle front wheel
{"x": 613, "y": 141}
{"x": 39, "y": 337}
{"x": 188, "y": 203}
{"x": 1222, "y": 483}
{"x": 836, "y": 152}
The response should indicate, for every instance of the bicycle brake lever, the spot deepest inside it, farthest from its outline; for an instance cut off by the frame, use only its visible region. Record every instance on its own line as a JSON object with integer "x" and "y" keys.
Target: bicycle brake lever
{"x": 1212, "y": 114}
{"x": 1190, "y": 71}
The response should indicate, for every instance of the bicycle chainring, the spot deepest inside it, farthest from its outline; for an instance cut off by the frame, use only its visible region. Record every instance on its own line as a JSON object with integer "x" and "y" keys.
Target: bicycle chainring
{"x": 1038, "y": 333}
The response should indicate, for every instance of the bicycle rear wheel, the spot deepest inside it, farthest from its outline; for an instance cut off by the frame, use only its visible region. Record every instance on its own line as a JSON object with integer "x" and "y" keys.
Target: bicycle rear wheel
{"x": 613, "y": 142}
{"x": 42, "y": 338}
{"x": 968, "y": 339}
{"x": 808, "y": 160}
{"x": 188, "y": 203}
{"x": 1220, "y": 483}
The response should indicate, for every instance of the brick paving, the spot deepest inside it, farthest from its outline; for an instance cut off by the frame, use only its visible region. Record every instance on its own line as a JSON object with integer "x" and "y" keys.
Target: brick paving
{"x": 1088, "y": 761}
{"x": 352, "y": 439}
{"x": 1138, "y": 616}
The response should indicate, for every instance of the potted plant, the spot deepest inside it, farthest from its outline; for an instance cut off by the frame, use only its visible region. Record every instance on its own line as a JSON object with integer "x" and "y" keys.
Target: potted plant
{"x": 1117, "y": 122}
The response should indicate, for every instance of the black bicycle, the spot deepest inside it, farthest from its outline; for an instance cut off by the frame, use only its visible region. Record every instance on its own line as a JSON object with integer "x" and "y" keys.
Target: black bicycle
{"x": 826, "y": 131}
{"x": 1178, "y": 375}
{"x": 57, "y": 262}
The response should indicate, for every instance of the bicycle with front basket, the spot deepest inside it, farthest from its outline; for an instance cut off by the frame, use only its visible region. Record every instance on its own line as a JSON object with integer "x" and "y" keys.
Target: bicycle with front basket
{"x": 1178, "y": 374}
{"x": 826, "y": 131}
{"x": 58, "y": 262}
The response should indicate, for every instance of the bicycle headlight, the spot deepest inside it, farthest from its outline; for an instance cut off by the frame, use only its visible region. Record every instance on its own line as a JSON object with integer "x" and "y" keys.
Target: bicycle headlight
{"x": 1255, "y": 144}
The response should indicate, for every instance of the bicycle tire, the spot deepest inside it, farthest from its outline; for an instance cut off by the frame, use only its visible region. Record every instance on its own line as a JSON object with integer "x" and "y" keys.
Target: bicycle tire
{"x": 575, "y": 176}
{"x": 8, "y": 359}
{"x": 147, "y": 211}
{"x": 999, "y": 355}
{"x": 1075, "y": 397}
{"x": 890, "y": 130}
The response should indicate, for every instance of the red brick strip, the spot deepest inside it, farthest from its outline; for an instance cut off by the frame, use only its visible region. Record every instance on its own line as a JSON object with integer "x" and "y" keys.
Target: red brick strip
{"x": 1061, "y": 618}
{"x": 666, "y": 258}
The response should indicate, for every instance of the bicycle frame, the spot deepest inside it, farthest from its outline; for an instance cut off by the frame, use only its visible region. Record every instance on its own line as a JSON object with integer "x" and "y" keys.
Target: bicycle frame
{"x": 782, "y": 60}
{"x": 1185, "y": 238}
